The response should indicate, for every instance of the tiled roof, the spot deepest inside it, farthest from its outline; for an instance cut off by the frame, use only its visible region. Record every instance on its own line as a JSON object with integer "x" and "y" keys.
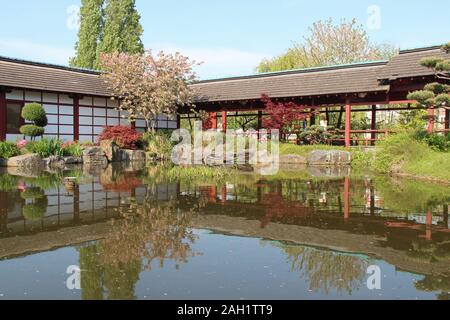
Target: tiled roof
{"x": 39, "y": 76}
{"x": 353, "y": 78}
{"x": 407, "y": 63}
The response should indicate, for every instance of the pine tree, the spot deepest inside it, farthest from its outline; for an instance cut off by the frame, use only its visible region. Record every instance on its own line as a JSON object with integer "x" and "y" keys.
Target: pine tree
{"x": 122, "y": 31}
{"x": 435, "y": 94}
{"x": 91, "y": 20}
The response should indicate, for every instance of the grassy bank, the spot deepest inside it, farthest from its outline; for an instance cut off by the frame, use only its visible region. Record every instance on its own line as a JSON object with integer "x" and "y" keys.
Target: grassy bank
{"x": 403, "y": 154}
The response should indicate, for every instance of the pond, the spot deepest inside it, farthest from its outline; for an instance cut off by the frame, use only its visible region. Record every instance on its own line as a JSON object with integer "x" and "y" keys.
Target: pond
{"x": 157, "y": 233}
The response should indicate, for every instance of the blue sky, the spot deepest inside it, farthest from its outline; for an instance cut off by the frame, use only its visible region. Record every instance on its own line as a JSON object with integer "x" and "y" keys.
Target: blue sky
{"x": 231, "y": 36}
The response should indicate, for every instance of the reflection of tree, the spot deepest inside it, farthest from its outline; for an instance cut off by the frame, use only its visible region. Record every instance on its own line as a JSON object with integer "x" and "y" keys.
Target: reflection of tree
{"x": 327, "y": 270}
{"x": 430, "y": 251}
{"x": 436, "y": 283}
{"x": 150, "y": 231}
{"x": 145, "y": 232}
{"x": 99, "y": 280}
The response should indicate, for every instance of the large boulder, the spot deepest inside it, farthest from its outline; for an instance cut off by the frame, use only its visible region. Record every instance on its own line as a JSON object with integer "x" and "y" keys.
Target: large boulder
{"x": 329, "y": 158}
{"x": 132, "y": 155}
{"x": 94, "y": 156}
{"x": 111, "y": 150}
{"x": 25, "y": 161}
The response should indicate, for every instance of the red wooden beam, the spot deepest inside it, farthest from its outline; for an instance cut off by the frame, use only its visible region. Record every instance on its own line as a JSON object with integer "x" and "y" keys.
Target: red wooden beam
{"x": 373, "y": 124}
{"x": 76, "y": 118}
{"x": 348, "y": 119}
{"x": 430, "y": 120}
{"x": 224, "y": 121}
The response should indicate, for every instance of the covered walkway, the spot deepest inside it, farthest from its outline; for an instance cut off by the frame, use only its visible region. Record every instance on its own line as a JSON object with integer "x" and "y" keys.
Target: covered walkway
{"x": 380, "y": 85}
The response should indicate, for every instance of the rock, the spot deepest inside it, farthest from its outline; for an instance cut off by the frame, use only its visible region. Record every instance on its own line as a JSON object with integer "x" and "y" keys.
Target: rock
{"x": 329, "y": 158}
{"x": 54, "y": 162}
{"x": 132, "y": 155}
{"x": 292, "y": 159}
{"x": 29, "y": 161}
{"x": 111, "y": 150}
{"x": 94, "y": 156}
{"x": 73, "y": 160}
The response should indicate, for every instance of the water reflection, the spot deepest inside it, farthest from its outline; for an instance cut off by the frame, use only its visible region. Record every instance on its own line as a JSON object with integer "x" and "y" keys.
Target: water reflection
{"x": 133, "y": 220}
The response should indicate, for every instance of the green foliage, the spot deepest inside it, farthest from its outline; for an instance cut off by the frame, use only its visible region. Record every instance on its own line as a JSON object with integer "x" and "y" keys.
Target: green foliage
{"x": 396, "y": 149}
{"x": 443, "y": 99}
{"x": 437, "y": 87}
{"x": 446, "y": 47}
{"x": 35, "y": 211}
{"x": 8, "y": 182}
{"x": 158, "y": 144}
{"x": 91, "y": 21}
{"x": 34, "y": 113}
{"x": 329, "y": 43}
{"x": 32, "y": 194}
{"x": 435, "y": 94}
{"x": 319, "y": 135}
{"x": 191, "y": 174}
{"x": 435, "y": 141}
{"x": 443, "y": 65}
{"x": 409, "y": 152}
{"x": 430, "y": 62}
{"x": 424, "y": 97}
{"x": 122, "y": 30}
{"x": 8, "y": 150}
{"x": 31, "y": 130}
{"x": 72, "y": 150}
{"x": 46, "y": 147}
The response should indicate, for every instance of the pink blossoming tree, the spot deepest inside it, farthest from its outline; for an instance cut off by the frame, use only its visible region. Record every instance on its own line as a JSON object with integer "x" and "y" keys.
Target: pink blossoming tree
{"x": 147, "y": 85}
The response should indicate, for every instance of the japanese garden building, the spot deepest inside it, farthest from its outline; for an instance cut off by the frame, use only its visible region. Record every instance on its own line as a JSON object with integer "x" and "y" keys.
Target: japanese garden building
{"x": 79, "y": 105}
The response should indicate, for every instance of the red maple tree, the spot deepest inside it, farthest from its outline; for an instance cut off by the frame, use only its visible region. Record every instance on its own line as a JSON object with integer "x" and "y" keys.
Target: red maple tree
{"x": 284, "y": 116}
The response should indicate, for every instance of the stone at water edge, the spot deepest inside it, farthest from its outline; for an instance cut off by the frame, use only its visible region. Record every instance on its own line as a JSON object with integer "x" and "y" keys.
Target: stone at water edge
{"x": 329, "y": 157}
{"x": 25, "y": 161}
{"x": 94, "y": 155}
{"x": 110, "y": 150}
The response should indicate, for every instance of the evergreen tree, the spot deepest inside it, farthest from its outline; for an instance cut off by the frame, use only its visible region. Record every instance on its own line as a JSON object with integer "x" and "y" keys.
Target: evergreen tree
{"x": 436, "y": 94}
{"x": 91, "y": 20}
{"x": 122, "y": 31}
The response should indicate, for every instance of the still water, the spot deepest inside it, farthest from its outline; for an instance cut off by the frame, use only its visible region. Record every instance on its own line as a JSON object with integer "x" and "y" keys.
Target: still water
{"x": 154, "y": 233}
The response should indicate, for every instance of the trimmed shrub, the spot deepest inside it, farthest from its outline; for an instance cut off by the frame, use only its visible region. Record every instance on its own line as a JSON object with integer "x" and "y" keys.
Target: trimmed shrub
{"x": 319, "y": 135}
{"x": 34, "y": 113}
{"x": 46, "y": 147}
{"x": 31, "y": 130}
{"x": 8, "y": 150}
{"x": 124, "y": 137}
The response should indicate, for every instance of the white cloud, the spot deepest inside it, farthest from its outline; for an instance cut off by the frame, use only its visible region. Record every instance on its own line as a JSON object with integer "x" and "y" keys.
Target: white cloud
{"x": 28, "y": 50}
{"x": 217, "y": 62}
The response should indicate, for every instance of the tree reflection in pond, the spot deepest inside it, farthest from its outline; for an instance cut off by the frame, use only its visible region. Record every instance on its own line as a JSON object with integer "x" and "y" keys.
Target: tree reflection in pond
{"x": 326, "y": 270}
{"x": 148, "y": 232}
